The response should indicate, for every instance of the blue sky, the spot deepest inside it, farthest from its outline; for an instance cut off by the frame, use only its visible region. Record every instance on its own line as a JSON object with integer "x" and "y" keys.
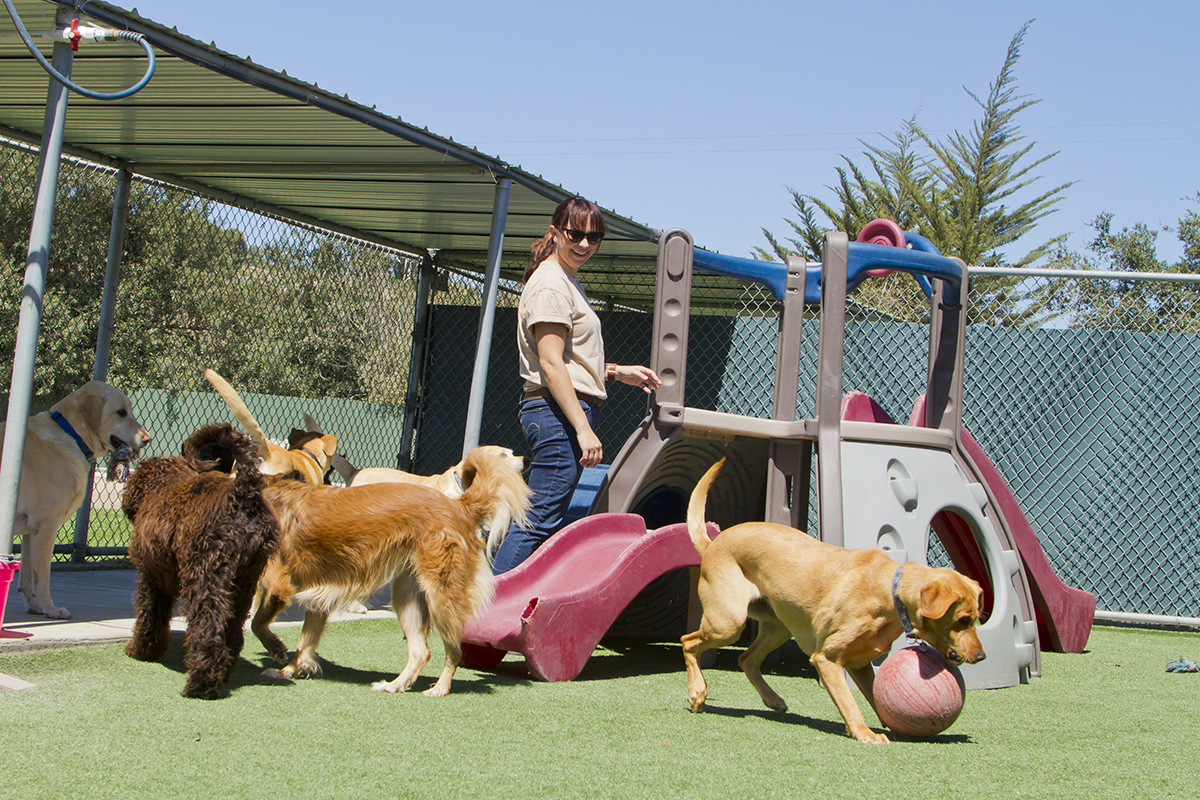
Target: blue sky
{"x": 700, "y": 114}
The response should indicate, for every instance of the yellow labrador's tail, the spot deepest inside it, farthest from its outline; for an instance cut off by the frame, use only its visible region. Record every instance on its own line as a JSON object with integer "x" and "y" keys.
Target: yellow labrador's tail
{"x": 695, "y": 513}
{"x": 240, "y": 411}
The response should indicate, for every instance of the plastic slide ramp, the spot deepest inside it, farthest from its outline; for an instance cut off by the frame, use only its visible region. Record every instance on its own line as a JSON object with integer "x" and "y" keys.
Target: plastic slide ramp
{"x": 555, "y": 607}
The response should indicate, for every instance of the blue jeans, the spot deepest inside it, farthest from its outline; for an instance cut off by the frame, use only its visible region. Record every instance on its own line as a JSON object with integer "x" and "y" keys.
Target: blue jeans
{"x": 553, "y": 474}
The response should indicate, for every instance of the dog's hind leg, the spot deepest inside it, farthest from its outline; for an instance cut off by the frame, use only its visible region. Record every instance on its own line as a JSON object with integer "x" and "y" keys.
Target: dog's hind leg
{"x": 412, "y": 612}
{"x": 235, "y": 629}
{"x": 151, "y": 633}
{"x": 771, "y": 634}
{"x": 724, "y": 617}
{"x": 694, "y": 645}
{"x": 207, "y": 607}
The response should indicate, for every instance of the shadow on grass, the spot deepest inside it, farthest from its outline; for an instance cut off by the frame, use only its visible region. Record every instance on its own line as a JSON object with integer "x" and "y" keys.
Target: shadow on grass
{"x": 624, "y": 658}
{"x": 834, "y": 727}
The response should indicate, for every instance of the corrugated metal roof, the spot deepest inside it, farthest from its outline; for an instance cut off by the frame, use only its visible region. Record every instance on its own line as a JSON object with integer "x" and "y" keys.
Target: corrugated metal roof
{"x": 247, "y": 135}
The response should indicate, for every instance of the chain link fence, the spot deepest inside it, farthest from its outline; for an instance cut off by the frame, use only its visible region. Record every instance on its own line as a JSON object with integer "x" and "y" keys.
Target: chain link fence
{"x": 1079, "y": 390}
{"x": 297, "y": 320}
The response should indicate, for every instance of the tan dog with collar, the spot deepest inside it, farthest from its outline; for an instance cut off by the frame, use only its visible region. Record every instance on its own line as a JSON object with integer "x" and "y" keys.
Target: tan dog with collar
{"x": 838, "y": 604}
{"x": 308, "y": 452}
{"x": 60, "y": 446}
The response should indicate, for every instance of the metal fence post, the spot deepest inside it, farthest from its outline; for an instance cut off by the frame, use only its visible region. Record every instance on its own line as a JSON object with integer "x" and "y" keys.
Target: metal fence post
{"x": 108, "y": 303}
{"x": 416, "y": 364}
{"x": 487, "y": 316}
{"x": 36, "y": 264}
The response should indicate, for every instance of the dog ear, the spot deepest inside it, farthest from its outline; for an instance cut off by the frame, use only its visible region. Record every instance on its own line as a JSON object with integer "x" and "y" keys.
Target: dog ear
{"x": 469, "y": 471}
{"x": 91, "y": 408}
{"x": 310, "y": 424}
{"x": 937, "y": 597}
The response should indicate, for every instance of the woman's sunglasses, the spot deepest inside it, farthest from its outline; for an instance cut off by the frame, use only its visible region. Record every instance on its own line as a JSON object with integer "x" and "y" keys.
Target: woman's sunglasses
{"x": 575, "y": 236}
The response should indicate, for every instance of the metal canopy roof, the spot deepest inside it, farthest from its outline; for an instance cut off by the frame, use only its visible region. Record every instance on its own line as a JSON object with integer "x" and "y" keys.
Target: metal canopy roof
{"x": 258, "y": 139}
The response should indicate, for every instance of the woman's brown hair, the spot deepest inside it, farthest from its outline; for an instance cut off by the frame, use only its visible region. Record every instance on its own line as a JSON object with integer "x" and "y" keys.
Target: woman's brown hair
{"x": 574, "y": 212}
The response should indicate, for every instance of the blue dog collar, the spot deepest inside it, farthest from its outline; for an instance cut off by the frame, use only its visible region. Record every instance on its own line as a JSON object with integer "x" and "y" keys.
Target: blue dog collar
{"x": 66, "y": 426}
{"x": 901, "y": 610}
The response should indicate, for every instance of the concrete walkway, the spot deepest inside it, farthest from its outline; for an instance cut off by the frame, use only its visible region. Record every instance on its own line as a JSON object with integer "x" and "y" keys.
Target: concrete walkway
{"x": 101, "y": 606}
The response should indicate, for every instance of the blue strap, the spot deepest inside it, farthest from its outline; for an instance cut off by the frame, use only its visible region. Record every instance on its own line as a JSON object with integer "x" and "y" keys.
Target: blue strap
{"x": 66, "y": 426}
{"x": 900, "y": 609}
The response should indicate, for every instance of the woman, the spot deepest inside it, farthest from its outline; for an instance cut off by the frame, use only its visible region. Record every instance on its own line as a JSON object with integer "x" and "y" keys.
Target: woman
{"x": 562, "y": 364}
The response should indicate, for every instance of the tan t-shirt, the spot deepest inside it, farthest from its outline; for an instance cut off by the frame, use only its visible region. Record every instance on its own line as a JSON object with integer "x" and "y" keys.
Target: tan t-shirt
{"x": 553, "y": 296}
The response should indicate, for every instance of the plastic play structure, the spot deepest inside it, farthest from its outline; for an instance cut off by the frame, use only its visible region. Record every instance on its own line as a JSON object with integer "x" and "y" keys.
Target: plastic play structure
{"x": 879, "y": 484}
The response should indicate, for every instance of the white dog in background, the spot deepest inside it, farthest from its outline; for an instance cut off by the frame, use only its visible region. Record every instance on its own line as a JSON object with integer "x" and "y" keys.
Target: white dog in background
{"x": 60, "y": 446}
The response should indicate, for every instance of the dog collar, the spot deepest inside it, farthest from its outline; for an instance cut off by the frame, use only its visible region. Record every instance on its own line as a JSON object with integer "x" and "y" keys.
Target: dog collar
{"x": 458, "y": 480}
{"x": 315, "y": 460}
{"x": 66, "y": 426}
{"x": 900, "y": 608}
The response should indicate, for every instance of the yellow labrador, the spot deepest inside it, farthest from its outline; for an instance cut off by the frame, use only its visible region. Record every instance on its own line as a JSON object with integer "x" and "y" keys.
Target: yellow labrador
{"x": 60, "y": 446}
{"x": 843, "y": 607}
{"x": 308, "y": 451}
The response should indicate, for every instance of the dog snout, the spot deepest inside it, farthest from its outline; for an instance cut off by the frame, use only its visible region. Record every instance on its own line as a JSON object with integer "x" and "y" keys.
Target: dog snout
{"x": 966, "y": 652}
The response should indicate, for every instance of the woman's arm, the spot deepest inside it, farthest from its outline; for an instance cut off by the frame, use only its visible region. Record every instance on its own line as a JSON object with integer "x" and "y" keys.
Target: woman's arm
{"x": 551, "y": 339}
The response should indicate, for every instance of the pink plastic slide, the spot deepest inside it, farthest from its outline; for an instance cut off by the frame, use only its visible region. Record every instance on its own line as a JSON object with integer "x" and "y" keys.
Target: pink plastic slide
{"x": 555, "y": 607}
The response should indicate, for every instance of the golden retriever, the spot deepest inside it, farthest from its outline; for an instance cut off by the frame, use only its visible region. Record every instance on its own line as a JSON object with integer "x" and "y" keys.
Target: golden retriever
{"x": 308, "y": 452}
{"x": 338, "y": 545}
{"x": 60, "y": 446}
{"x": 449, "y": 483}
{"x": 842, "y": 606}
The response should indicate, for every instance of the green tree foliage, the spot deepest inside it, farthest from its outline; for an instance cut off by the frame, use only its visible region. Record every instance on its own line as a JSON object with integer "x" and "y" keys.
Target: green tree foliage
{"x": 1142, "y": 305}
{"x": 301, "y": 314}
{"x": 958, "y": 193}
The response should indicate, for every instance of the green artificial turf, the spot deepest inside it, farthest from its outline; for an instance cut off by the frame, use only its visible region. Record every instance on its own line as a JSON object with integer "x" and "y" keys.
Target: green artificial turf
{"x": 1108, "y": 723}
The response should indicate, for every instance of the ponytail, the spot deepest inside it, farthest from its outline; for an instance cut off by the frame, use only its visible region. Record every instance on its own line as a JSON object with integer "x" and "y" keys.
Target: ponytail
{"x": 542, "y": 249}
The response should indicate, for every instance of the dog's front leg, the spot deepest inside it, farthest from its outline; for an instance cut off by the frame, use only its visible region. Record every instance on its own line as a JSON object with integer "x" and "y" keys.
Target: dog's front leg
{"x": 305, "y": 665}
{"x": 35, "y": 584}
{"x": 833, "y": 675}
{"x": 269, "y": 606}
{"x": 413, "y": 614}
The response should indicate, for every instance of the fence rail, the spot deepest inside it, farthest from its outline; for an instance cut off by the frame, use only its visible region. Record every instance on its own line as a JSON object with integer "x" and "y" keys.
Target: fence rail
{"x": 1079, "y": 387}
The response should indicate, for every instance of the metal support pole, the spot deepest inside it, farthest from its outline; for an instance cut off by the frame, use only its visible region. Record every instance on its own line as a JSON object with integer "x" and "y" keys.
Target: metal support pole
{"x": 487, "y": 316}
{"x": 36, "y": 263}
{"x": 416, "y": 364}
{"x": 108, "y": 304}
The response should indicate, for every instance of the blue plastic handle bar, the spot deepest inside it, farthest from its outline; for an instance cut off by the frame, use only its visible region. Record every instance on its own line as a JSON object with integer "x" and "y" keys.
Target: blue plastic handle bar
{"x": 921, "y": 260}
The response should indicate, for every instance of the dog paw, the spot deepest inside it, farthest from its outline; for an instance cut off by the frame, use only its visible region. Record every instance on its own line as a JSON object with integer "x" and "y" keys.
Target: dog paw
{"x": 386, "y": 686}
{"x": 202, "y": 692}
{"x": 275, "y": 675}
{"x": 57, "y": 613}
{"x": 436, "y": 691}
{"x": 869, "y": 736}
{"x": 303, "y": 669}
{"x": 775, "y": 703}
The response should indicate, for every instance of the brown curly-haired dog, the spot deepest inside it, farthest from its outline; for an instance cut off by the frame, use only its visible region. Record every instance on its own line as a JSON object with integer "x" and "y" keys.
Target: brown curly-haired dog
{"x": 204, "y": 537}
